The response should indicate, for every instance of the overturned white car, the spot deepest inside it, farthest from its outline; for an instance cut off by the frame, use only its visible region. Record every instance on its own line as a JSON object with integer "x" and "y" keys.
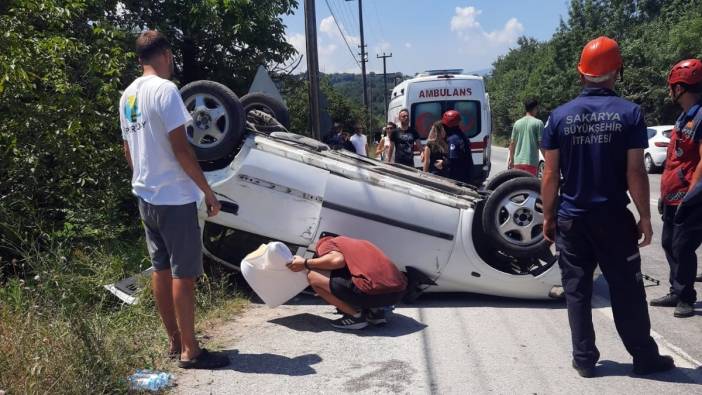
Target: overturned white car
{"x": 274, "y": 185}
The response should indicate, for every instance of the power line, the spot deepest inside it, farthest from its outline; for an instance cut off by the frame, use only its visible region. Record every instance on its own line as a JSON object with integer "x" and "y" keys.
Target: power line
{"x": 380, "y": 24}
{"x": 349, "y": 12}
{"x": 341, "y": 32}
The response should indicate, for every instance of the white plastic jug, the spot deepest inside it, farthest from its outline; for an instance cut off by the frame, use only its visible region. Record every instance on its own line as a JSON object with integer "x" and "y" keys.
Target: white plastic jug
{"x": 266, "y": 272}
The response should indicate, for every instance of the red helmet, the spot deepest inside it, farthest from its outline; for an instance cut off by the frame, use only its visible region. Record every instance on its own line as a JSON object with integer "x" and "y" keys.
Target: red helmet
{"x": 688, "y": 72}
{"x": 451, "y": 118}
{"x": 600, "y": 57}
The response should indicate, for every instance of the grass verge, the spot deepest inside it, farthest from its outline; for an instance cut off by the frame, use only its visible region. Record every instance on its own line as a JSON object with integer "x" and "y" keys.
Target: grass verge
{"x": 61, "y": 332}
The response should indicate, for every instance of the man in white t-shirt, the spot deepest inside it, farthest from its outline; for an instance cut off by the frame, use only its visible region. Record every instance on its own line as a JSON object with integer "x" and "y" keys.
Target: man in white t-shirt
{"x": 168, "y": 183}
{"x": 359, "y": 140}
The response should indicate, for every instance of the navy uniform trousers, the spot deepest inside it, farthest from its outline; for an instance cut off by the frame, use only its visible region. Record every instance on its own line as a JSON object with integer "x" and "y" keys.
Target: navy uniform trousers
{"x": 680, "y": 241}
{"x": 607, "y": 237}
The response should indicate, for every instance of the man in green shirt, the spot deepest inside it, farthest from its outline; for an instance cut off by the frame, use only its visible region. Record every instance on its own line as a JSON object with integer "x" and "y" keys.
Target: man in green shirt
{"x": 526, "y": 138}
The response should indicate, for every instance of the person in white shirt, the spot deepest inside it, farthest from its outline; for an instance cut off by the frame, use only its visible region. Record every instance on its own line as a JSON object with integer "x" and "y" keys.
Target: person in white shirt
{"x": 359, "y": 140}
{"x": 168, "y": 183}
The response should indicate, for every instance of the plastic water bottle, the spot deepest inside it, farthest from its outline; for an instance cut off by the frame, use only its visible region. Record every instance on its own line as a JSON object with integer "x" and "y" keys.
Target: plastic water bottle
{"x": 146, "y": 380}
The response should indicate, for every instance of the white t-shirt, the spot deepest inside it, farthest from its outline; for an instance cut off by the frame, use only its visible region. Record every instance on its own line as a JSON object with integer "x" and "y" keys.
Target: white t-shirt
{"x": 359, "y": 142}
{"x": 150, "y": 108}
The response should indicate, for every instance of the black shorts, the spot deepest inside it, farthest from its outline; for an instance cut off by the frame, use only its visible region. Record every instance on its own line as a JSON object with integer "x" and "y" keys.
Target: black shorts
{"x": 343, "y": 288}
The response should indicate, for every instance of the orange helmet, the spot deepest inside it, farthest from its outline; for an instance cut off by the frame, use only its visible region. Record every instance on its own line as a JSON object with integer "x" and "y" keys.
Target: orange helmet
{"x": 451, "y": 118}
{"x": 600, "y": 57}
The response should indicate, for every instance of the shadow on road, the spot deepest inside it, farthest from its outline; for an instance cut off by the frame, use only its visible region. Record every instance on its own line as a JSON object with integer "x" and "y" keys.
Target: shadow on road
{"x": 448, "y": 300}
{"x": 451, "y": 300}
{"x": 678, "y": 375}
{"x": 272, "y": 363}
{"x": 398, "y": 325}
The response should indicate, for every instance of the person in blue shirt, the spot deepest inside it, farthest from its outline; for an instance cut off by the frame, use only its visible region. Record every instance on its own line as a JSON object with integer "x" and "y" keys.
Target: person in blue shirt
{"x": 595, "y": 142}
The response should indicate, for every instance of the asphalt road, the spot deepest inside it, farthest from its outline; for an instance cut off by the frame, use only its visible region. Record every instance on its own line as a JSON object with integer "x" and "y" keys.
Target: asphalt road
{"x": 446, "y": 344}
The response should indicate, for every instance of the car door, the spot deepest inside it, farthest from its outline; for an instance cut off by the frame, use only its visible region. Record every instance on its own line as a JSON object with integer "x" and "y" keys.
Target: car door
{"x": 277, "y": 197}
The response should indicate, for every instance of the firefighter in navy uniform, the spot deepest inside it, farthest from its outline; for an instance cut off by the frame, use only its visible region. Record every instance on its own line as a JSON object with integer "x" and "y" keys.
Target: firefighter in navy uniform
{"x": 596, "y": 143}
{"x": 680, "y": 189}
{"x": 460, "y": 160}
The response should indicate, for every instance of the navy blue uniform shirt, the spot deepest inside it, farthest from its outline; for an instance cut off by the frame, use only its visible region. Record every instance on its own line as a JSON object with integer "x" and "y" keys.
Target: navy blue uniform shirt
{"x": 460, "y": 162}
{"x": 593, "y": 133}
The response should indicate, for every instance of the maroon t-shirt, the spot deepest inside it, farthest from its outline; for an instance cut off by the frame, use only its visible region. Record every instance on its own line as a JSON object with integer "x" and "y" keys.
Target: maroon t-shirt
{"x": 372, "y": 271}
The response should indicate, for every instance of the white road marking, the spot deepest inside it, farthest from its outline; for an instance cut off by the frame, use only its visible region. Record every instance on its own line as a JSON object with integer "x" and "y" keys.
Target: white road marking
{"x": 682, "y": 359}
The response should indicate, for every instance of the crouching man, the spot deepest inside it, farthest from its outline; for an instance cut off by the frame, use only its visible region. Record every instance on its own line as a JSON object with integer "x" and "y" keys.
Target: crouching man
{"x": 356, "y": 277}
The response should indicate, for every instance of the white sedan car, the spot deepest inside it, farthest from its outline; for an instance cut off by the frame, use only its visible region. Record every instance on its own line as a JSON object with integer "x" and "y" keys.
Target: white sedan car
{"x": 658, "y": 140}
{"x": 447, "y": 236}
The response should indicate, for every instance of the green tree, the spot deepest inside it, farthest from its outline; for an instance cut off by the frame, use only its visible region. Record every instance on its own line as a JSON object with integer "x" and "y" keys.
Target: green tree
{"x": 652, "y": 34}
{"x": 61, "y": 67}
{"x": 224, "y": 41}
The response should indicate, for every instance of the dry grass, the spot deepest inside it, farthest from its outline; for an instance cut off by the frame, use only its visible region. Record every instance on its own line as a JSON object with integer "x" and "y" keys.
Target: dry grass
{"x": 60, "y": 332}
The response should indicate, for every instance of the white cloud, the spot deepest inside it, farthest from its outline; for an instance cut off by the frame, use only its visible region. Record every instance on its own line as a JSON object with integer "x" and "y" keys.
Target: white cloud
{"x": 334, "y": 56}
{"x": 465, "y": 18}
{"x": 297, "y": 40}
{"x": 465, "y": 23}
{"x": 328, "y": 27}
{"x": 509, "y": 33}
{"x": 408, "y": 45}
{"x": 479, "y": 47}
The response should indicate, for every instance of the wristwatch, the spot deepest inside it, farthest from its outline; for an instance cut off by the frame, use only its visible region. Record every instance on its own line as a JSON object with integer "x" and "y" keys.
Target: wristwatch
{"x": 306, "y": 265}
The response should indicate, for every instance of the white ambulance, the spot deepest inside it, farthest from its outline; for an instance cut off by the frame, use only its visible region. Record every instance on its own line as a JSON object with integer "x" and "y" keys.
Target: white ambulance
{"x": 430, "y": 94}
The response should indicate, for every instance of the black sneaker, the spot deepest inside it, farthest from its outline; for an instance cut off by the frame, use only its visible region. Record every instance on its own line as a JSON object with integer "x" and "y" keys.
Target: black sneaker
{"x": 350, "y": 322}
{"x": 660, "y": 363}
{"x": 586, "y": 372}
{"x": 670, "y": 300}
{"x": 376, "y": 316}
{"x": 683, "y": 310}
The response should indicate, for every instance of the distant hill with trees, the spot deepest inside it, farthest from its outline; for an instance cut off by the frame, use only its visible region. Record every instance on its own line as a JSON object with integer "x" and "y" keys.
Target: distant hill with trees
{"x": 653, "y": 35}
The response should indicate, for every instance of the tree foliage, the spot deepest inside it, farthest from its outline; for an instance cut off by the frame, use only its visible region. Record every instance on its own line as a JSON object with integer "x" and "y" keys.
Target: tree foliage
{"x": 62, "y": 67}
{"x": 653, "y": 35}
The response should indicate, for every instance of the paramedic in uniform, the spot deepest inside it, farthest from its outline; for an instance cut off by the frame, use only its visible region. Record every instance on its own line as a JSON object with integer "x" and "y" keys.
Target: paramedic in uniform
{"x": 680, "y": 189}
{"x": 596, "y": 143}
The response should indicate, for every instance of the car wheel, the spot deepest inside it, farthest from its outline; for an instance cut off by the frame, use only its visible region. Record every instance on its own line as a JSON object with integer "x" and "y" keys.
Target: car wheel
{"x": 513, "y": 218}
{"x": 505, "y": 176}
{"x": 540, "y": 170}
{"x": 218, "y": 119}
{"x": 650, "y": 166}
{"x": 267, "y": 104}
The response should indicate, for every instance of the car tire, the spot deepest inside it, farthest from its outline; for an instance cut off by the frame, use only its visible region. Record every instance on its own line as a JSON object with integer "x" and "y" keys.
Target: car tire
{"x": 505, "y": 176}
{"x": 217, "y": 128}
{"x": 513, "y": 218}
{"x": 267, "y": 104}
{"x": 651, "y": 167}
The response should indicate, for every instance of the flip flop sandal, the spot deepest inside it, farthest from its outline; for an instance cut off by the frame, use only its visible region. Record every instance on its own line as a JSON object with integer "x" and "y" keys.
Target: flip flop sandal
{"x": 206, "y": 360}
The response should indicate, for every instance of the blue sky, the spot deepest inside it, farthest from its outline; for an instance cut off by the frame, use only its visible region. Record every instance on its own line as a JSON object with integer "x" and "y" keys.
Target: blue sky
{"x": 425, "y": 34}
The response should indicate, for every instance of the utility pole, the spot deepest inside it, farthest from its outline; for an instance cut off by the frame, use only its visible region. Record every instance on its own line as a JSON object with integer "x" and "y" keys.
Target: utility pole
{"x": 385, "y": 81}
{"x": 312, "y": 67}
{"x": 364, "y": 58}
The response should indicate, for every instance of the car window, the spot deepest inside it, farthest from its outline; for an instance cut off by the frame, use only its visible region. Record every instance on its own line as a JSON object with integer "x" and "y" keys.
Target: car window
{"x": 424, "y": 115}
{"x": 470, "y": 115}
{"x": 667, "y": 133}
{"x": 651, "y": 133}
